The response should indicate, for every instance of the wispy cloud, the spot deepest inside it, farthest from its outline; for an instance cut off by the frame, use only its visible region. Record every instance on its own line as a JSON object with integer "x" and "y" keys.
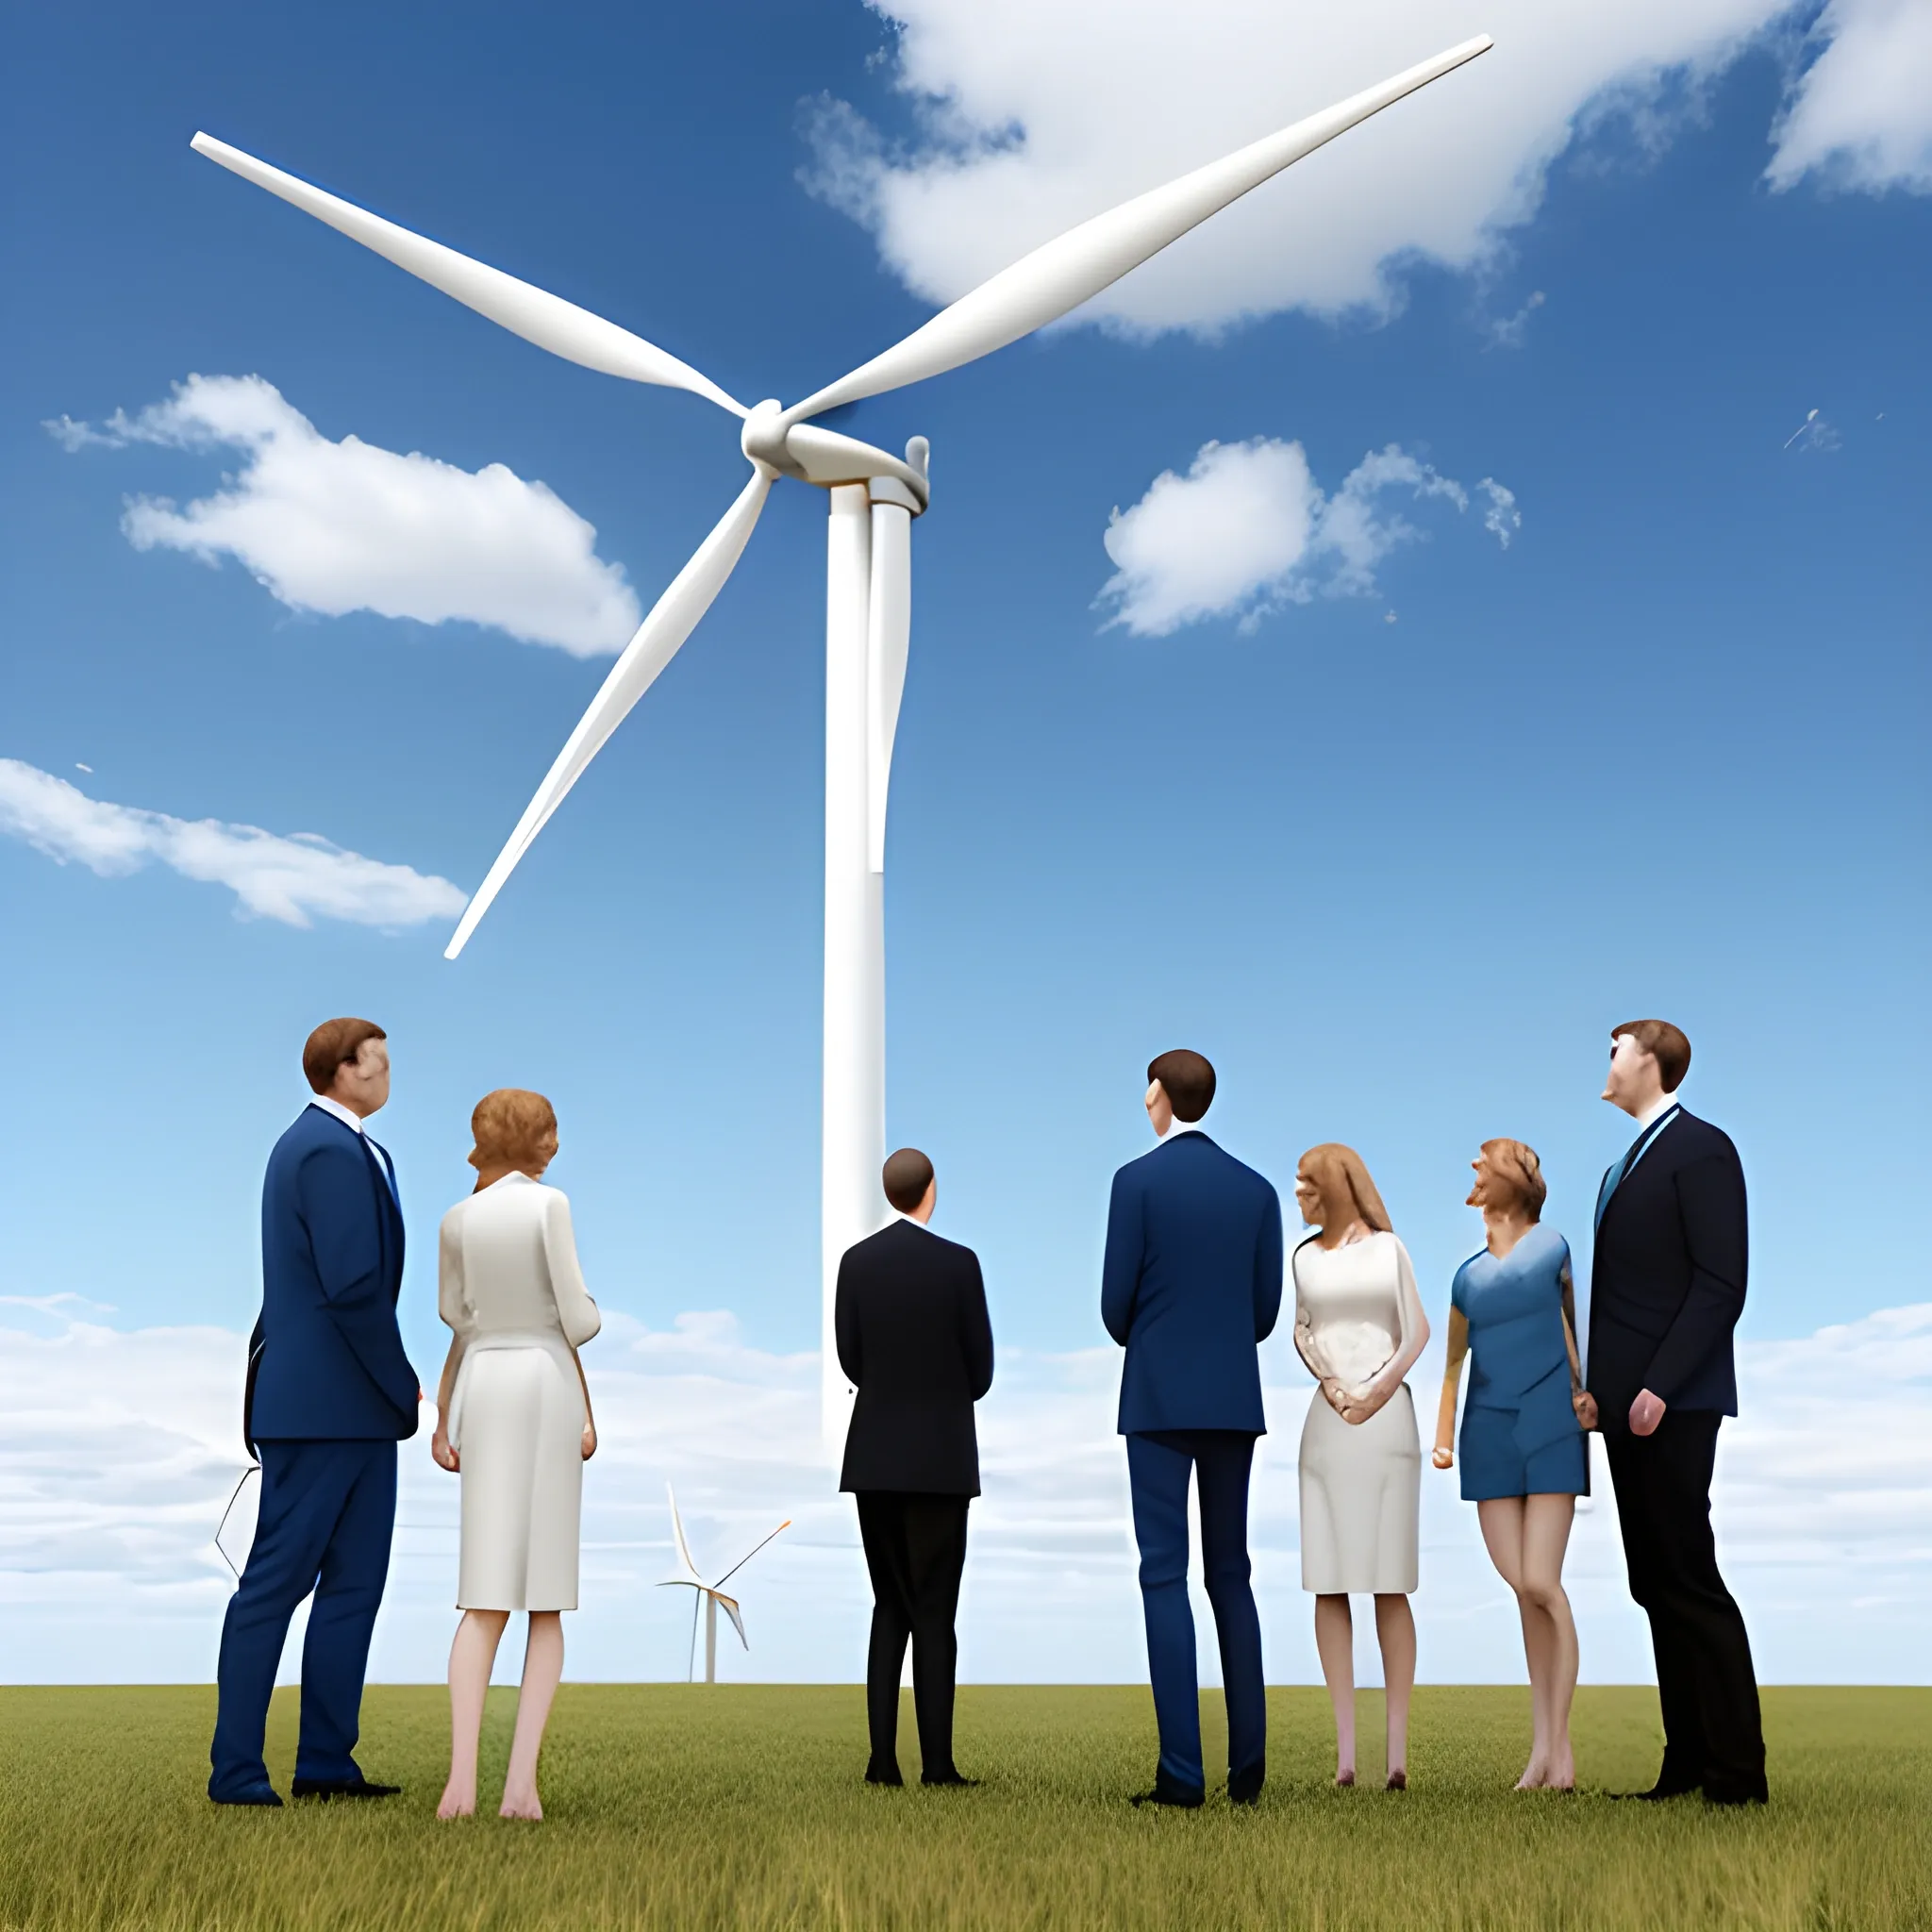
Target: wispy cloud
{"x": 1814, "y": 432}
{"x": 1031, "y": 115}
{"x": 339, "y": 526}
{"x": 1248, "y": 529}
{"x": 1510, "y": 331}
{"x": 295, "y": 879}
{"x": 119, "y": 1449}
{"x": 1860, "y": 115}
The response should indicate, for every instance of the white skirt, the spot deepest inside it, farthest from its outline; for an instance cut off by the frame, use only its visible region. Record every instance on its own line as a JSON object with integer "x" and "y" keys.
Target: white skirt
{"x": 1362, "y": 1494}
{"x": 517, "y": 1420}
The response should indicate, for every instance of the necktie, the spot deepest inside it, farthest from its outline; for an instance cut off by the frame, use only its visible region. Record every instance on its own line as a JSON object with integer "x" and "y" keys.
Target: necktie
{"x": 1632, "y": 1155}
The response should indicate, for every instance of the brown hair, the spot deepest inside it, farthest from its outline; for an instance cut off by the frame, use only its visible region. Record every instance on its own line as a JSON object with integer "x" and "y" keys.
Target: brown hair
{"x": 1665, "y": 1043}
{"x": 332, "y": 1046}
{"x": 1187, "y": 1081}
{"x": 510, "y": 1127}
{"x": 907, "y": 1174}
{"x": 1342, "y": 1174}
{"x": 1515, "y": 1164}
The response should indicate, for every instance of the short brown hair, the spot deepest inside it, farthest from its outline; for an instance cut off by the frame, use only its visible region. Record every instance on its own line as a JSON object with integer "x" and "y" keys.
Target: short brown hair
{"x": 907, "y": 1174}
{"x": 1187, "y": 1081}
{"x": 1665, "y": 1044}
{"x": 332, "y": 1046}
{"x": 510, "y": 1127}
{"x": 1516, "y": 1164}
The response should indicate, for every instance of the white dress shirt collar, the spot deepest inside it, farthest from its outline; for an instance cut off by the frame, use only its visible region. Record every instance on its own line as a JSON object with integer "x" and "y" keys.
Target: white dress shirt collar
{"x": 348, "y": 1116}
{"x": 1651, "y": 1115}
{"x": 1177, "y": 1126}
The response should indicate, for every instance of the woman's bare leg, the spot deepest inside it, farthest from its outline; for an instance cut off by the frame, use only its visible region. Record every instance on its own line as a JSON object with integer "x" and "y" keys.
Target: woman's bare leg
{"x": 542, "y": 1671}
{"x": 1395, "y": 1629}
{"x": 1502, "y": 1519}
{"x": 470, "y": 1660}
{"x": 1334, "y": 1641}
{"x": 1545, "y": 1537}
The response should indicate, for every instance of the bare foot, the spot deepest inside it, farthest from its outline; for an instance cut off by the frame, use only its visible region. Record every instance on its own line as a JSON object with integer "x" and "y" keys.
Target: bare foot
{"x": 1535, "y": 1775}
{"x": 456, "y": 1803}
{"x": 1398, "y": 1780}
{"x": 522, "y": 1804}
{"x": 1560, "y": 1774}
{"x": 1345, "y": 1777}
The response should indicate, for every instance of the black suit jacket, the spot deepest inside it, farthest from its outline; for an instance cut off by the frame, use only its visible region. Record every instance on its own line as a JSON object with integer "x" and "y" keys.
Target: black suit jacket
{"x": 1666, "y": 1285}
{"x": 915, "y": 1340}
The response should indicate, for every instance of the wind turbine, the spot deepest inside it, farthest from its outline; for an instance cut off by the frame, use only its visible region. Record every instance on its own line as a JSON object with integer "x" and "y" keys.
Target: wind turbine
{"x": 874, "y": 497}
{"x": 710, "y": 1594}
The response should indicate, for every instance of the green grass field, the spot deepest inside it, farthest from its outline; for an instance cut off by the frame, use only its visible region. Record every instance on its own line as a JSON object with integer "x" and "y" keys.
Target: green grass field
{"x": 743, "y": 1807}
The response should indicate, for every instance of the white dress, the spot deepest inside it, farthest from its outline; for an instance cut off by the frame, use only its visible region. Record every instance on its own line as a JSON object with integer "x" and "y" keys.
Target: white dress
{"x": 1356, "y": 1307}
{"x": 510, "y": 1288}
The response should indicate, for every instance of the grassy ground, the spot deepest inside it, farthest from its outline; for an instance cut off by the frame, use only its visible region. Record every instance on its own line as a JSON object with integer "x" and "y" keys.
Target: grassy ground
{"x": 679, "y": 1806}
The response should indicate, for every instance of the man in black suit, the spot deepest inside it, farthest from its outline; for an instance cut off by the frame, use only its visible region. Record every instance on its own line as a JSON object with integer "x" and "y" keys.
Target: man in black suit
{"x": 1667, "y": 1288}
{"x": 915, "y": 1340}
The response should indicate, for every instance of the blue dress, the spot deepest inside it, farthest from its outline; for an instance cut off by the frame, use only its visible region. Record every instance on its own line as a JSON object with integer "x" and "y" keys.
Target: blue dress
{"x": 1519, "y": 1434}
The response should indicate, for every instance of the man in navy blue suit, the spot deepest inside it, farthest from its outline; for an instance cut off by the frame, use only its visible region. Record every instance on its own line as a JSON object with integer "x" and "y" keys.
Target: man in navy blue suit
{"x": 330, "y": 1394}
{"x": 1192, "y": 1284}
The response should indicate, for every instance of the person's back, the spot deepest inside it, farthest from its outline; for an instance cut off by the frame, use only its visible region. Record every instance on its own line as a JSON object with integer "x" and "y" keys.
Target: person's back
{"x": 915, "y": 1340}
{"x": 1191, "y": 1281}
{"x": 1190, "y": 1287}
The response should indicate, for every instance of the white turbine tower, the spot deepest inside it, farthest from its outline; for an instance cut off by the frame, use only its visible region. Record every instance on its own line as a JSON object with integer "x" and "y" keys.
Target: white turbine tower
{"x": 874, "y": 497}
{"x": 710, "y": 1594}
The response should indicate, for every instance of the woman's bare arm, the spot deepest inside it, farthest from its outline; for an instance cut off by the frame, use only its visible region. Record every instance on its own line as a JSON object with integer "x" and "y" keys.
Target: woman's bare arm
{"x": 1452, "y": 1382}
{"x": 1581, "y": 1400}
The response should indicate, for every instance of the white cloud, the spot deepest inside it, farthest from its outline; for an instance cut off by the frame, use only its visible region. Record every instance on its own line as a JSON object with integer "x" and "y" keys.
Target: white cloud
{"x": 340, "y": 527}
{"x": 1861, "y": 114}
{"x": 1034, "y": 114}
{"x": 1248, "y": 529}
{"x": 295, "y": 879}
{"x": 118, "y": 1451}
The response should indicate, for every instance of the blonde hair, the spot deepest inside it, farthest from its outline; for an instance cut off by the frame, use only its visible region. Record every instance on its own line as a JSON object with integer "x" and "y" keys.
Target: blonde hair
{"x": 510, "y": 1128}
{"x": 1342, "y": 1174}
{"x": 1515, "y": 1164}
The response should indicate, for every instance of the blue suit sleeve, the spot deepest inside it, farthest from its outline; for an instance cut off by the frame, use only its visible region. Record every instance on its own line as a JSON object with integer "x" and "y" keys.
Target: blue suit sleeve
{"x": 332, "y": 1192}
{"x": 1711, "y": 1202}
{"x": 1267, "y": 1270}
{"x": 1120, "y": 1271}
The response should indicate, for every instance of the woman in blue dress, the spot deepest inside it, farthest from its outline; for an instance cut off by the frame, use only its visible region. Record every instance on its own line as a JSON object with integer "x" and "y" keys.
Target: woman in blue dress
{"x": 1524, "y": 1455}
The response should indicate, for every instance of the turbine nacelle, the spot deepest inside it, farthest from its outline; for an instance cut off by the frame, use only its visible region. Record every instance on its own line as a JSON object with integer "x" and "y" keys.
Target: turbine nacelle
{"x": 826, "y": 459}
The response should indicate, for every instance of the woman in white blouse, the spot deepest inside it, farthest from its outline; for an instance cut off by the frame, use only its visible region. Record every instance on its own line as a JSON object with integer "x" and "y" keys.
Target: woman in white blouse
{"x": 1359, "y": 1327}
{"x": 513, "y": 1417}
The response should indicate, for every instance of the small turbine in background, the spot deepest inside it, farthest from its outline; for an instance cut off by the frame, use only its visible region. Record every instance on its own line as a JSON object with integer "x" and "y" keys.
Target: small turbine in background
{"x": 710, "y": 1594}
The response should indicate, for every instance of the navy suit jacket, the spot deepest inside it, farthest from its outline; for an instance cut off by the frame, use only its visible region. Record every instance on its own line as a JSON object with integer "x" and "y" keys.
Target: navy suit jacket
{"x": 1190, "y": 1285}
{"x": 1667, "y": 1284}
{"x": 328, "y": 1361}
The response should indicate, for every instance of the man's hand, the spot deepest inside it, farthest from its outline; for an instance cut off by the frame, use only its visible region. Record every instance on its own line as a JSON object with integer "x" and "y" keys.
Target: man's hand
{"x": 1646, "y": 1413}
{"x": 1584, "y": 1403}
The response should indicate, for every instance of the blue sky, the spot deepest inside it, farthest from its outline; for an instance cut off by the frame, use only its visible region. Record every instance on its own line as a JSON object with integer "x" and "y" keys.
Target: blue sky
{"x": 1396, "y": 859}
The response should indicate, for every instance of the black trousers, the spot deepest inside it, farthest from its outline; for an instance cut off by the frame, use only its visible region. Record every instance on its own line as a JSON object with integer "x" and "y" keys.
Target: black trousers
{"x": 1713, "y": 1735}
{"x": 915, "y": 1547}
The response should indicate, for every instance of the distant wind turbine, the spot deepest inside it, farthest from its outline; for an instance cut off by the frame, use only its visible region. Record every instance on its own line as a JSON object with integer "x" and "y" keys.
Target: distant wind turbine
{"x": 873, "y": 497}
{"x": 710, "y": 1594}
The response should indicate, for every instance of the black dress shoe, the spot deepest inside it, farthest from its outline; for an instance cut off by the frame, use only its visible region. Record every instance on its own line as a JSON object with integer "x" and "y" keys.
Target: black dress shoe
{"x": 1246, "y": 1789}
{"x": 889, "y": 1775}
{"x": 946, "y": 1777}
{"x": 1659, "y": 1791}
{"x": 1736, "y": 1794}
{"x": 327, "y": 1787}
{"x": 1166, "y": 1792}
{"x": 251, "y": 1794}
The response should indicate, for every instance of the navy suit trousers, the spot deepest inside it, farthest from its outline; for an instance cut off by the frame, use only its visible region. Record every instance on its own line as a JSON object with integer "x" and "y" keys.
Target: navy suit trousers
{"x": 1158, "y": 1466}
{"x": 328, "y": 1510}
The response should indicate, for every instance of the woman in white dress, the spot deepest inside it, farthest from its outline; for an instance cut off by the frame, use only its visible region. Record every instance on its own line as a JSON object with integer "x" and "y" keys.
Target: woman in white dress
{"x": 1359, "y": 1327}
{"x": 513, "y": 1417}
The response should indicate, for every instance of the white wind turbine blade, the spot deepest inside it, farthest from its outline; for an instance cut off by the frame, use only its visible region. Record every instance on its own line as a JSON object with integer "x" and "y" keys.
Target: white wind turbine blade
{"x": 548, "y": 321}
{"x": 683, "y": 1547}
{"x": 1061, "y": 275}
{"x": 747, "y": 1557}
{"x": 729, "y": 1605}
{"x": 672, "y": 619}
